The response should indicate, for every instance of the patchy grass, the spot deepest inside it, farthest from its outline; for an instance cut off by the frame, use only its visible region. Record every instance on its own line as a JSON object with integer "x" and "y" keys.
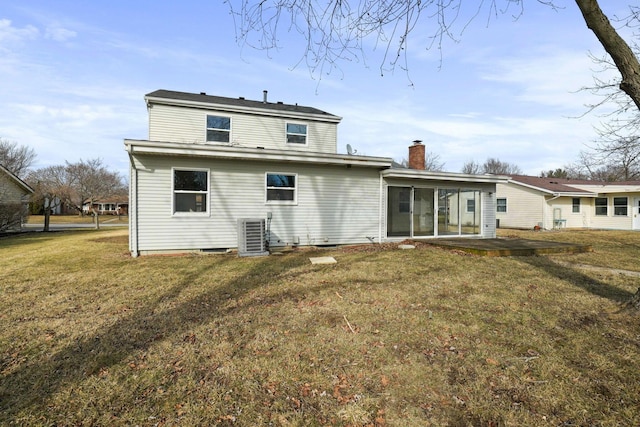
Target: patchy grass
{"x": 90, "y": 336}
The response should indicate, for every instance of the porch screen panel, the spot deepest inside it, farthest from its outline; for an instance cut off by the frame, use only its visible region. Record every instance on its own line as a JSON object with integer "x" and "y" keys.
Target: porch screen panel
{"x": 448, "y": 210}
{"x": 399, "y": 212}
{"x": 470, "y": 211}
{"x": 423, "y": 223}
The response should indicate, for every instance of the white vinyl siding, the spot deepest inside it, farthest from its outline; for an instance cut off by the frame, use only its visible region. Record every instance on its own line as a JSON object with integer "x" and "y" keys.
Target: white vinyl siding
{"x": 336, "y": 205}
{"x": 525, "y": 207}
{"x": 189, "y": 125}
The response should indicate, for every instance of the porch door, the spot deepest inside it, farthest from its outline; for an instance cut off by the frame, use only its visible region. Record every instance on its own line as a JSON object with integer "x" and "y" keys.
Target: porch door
{"x": 410, "y": 212}
{"x": 423, "y": 212}
{"x": 636, "y": 213}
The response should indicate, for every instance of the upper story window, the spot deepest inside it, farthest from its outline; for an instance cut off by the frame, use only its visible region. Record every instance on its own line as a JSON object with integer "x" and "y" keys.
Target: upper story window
{"x": 296, "y": 133}
{"x": 601, "y": 206}
{"x": 218, "y": 128}
{"x": 501, "y": 205}
{"x": 620, "y": 206}
{"x": 190, "y": 190}
{"x": 281, "y": 188}
{"x": 575, "y": 204}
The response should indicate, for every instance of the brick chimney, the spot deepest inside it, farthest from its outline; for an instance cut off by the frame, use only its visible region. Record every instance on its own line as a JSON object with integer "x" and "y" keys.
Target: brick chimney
{"x": 416, "y": 155}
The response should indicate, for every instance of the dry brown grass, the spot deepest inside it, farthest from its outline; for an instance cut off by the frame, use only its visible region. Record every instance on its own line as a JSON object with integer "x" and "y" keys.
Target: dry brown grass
{"x": 90, "y": 336}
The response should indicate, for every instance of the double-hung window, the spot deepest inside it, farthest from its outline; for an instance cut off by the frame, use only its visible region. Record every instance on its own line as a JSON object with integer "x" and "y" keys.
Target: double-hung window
{"x": 471, "y": 205}
{"x": 620, "y": 206}
{"x": 296, "y": 133}
{"x": 218, "y": 128}
{"x": 501, "y": 205}
{"x": 190, "y": 191}
{"x": 281, "y": 188}
{"x": 575, "y": 204}
{"x": 601, "y": 206}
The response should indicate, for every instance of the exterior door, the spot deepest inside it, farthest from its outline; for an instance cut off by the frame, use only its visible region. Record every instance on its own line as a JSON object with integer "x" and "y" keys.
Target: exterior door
{"x": 410, "y": 212}
{"x": 636, "y": 213}
{"x": 423, "y": 212}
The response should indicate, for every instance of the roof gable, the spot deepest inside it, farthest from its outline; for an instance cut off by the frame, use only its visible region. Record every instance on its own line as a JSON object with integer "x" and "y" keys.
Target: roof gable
{"x": 202, "y": 99}
{"x": 14, "y": 178}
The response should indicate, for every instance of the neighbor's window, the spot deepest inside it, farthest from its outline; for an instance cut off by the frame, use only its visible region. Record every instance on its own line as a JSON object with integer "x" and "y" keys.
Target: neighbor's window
{"x": 575, "y": 205}
{"x": 190, "y": 191}
{"x": 281, "y": 188}
{"x": 471, "y": 205}
{"x": 218, "y": 128}
{"x": 601, "y": 206}
{"x": 620, "y": 206}
{"x": 296, "y": 133}
{"x": 501, "y": 205}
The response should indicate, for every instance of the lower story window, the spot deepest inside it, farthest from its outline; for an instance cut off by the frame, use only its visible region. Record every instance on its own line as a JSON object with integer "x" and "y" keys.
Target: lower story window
{"x": 575, "y": 205}
{"x": 620, "y": 206}
{"x": 281, "y": 188}
{"x": 190, "y": 191}
{"x": 601, "y": 206}
{"x": 501, "y": 205}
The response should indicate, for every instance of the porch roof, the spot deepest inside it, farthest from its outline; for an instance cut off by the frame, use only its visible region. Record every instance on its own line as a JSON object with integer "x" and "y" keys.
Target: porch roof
{"x": 259, "y": 154}
{"x": 444, "y": 176}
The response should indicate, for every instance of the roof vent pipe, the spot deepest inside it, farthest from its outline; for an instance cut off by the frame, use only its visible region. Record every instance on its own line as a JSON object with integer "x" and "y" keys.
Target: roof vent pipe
{"x": 264, "y": 96}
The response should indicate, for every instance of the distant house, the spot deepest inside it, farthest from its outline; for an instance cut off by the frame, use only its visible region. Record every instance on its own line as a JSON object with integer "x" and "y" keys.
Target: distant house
{"x": 220, "y": 173}
{"x": 116, "y": 205}
{"x": 14, "y": 200}
{"x": 528, "y": 201}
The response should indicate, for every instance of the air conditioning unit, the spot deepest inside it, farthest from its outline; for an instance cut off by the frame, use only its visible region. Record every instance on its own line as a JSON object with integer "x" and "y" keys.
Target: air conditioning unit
{"x": 251, "y": 237}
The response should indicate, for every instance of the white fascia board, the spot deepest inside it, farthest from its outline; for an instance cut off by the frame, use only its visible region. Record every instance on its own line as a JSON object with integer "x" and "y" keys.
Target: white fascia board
{"x": 134, "y": 147}
{"x": 245, "y": 110}
{"x": 444, "y": 176}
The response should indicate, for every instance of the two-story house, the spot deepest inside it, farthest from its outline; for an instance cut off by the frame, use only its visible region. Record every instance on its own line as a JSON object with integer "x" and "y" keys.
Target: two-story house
{"x": 213, "y": 166}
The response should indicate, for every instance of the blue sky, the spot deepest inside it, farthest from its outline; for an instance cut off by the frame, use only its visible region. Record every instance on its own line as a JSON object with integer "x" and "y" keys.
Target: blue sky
{"x": 73, "y": 76}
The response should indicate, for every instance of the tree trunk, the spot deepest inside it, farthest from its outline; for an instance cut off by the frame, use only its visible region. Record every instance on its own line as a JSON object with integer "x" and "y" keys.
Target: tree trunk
{"x": 47, "y": 218}
{"x": 97, "y": 219}
{"x": 616, "y": 47}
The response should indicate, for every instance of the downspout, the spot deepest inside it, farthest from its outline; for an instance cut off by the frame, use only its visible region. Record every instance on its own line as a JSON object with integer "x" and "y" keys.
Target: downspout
{"x": 133, "y": 194}
{"x": 380, "y": 209}
{"x": 544, "y": 210}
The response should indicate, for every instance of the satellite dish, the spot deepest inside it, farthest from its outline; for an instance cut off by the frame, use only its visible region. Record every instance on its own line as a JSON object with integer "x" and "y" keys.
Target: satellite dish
{"x": 350, "y": 150}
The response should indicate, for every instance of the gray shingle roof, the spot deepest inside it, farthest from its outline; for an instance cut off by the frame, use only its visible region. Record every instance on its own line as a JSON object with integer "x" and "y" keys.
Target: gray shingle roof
{"x": 237, "y": 102}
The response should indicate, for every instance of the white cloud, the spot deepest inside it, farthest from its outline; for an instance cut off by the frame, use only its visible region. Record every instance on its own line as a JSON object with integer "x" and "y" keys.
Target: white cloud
{"x": 10, "y": 34}
{"x": 59, "y": 34}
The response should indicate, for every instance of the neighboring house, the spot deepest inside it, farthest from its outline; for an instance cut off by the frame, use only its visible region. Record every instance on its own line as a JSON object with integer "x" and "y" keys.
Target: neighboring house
{"x": 14, "y": 200}
{"x": 215, "y": 168}
{"x": 528, "y": 201}
{"x": 109, "y": 206}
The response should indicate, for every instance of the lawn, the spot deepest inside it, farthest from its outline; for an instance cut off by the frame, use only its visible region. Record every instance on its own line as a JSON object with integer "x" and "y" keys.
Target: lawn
{"x": 385, "y": 337}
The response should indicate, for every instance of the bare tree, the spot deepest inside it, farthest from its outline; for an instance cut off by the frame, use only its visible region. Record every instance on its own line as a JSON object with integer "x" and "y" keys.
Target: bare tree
{"x": 51, "y": 186}
{"x": 16, "y": 158}
{"x": 335, "y": 31}
{"x": 89, "y": 182}
{"x": 491, "y": 166}
{"x": 472, "y": 167}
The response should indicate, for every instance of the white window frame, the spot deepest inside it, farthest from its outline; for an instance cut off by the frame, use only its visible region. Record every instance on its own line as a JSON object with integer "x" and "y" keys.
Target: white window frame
{"x": 287, "y": 133}
{"x": 498, "y": 206}
{"x": 207, "y": 128}
{"x": 574, "y": 205}
{"x": 625, "y": 206}
{"x": 280, "y": 202}
{"x": 207, "y": 193}
{"x": 596, "y": 206}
